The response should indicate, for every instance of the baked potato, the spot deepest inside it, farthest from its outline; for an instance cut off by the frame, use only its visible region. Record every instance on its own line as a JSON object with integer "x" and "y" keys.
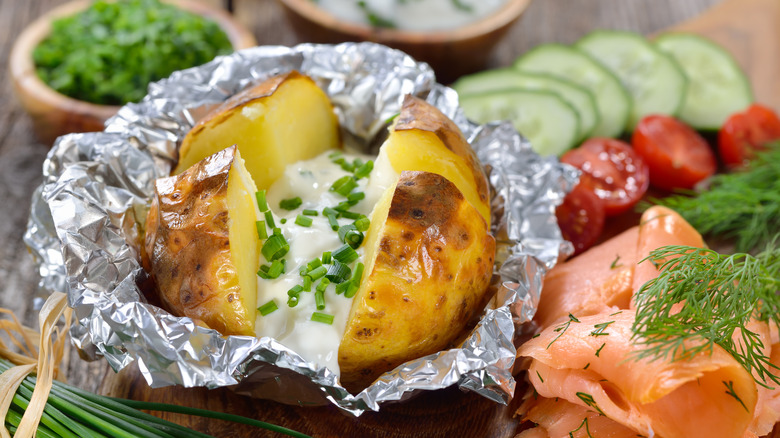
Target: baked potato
{"x": 428, "y": 252}
{"x": 284, "y": 119}
{"x": 429, "y": 260}
{"x": 423, "y": 138}
{"x": 201, "y": 245}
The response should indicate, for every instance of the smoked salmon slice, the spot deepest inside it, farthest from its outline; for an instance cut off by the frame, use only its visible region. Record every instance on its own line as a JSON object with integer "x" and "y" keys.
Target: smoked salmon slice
{"x": 598, "y": 280}
{"x": 660, "y": 226}
{"x": 589, "y": 363}
{"x": 558, "y": 418}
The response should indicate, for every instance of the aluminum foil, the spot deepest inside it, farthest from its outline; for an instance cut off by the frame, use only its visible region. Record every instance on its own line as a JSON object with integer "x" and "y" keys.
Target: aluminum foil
{"x": 87, "y": 219}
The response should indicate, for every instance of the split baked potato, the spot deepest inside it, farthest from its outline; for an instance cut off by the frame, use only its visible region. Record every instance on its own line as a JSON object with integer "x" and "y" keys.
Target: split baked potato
{"x": 284, "y": 119}
{"x": 428, "y": 252}
{"x": 197, "y": 252}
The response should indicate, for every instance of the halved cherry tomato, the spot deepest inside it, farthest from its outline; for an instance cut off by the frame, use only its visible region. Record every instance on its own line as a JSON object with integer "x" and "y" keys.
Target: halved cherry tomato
{"x": 581, "y": 218}
{"x": 678, "y": 157}
{"x": 611, "y": 170}
{"x": 745, "y": 132}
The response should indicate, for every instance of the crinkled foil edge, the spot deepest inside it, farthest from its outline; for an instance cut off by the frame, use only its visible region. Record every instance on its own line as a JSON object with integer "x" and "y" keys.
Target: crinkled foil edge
{"x": 87, "y": 218}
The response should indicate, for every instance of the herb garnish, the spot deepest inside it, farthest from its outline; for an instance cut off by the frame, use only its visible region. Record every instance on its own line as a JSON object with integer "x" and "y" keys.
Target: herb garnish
{"x": 462, "y": 6}
{"x": 111, "y": 51}
{"x": 600, "y": 348}
{"x": 373, "y": 18}
{"x": 615, "y": 263}
{"x": 540, "y": 377}
{"x": 714, "y": 297}
{"x": 561, "y": 329}
{"x": 742, "y": 205}
{"x": 587, "y": 430}
{"x": 730, "y": 391}
{"x": 600, "y": 329}
{"x": 589, "y": 401}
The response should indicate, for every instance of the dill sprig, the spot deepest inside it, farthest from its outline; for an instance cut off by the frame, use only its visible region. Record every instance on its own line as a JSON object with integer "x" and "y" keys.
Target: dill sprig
{"x": 744, "y": 206}
{"x": 702, "y": 298}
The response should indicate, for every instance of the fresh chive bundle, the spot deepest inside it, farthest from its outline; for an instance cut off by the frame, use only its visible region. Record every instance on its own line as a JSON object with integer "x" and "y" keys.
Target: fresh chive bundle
{"x": 73, "y": 413}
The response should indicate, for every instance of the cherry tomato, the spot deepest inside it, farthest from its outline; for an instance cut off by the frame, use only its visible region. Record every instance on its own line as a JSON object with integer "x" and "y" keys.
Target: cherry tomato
{"x": 611, "y": 170}
{"x": 745, "y": 132}
{"x": 678, "y": 157}
{"x": 581, "y": 218}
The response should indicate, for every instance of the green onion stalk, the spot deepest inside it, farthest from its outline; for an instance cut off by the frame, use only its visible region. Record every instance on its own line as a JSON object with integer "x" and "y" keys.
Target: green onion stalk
{"x": 73, "y": 413}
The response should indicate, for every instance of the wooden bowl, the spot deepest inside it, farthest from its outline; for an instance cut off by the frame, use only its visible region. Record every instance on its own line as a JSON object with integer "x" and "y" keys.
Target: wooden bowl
{"x": 54, "y": 114}
{"x": 451, "y": 53}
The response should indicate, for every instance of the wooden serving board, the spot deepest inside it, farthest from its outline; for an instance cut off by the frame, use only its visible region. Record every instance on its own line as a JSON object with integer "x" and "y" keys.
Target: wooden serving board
{"x": 749, "y": 29}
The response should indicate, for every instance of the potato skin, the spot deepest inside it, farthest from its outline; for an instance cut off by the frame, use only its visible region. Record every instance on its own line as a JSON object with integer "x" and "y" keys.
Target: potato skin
{"x": 188, "y": 248}
{"x": 432, "y": 269}
{"x": 419, "y": 114}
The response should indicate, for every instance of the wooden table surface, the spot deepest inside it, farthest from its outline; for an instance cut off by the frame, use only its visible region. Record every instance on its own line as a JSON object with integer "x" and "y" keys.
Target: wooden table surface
{"x": 21, "y": 158}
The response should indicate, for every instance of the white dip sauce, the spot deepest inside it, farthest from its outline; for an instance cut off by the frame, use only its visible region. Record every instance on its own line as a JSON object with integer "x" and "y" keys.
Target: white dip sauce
{"x": 420, "y": 15}
{"x": 311, "y": 180}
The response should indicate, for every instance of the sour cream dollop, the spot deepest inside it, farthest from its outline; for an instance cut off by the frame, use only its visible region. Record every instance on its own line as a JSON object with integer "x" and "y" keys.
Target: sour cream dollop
{"x": 311, "y": 181}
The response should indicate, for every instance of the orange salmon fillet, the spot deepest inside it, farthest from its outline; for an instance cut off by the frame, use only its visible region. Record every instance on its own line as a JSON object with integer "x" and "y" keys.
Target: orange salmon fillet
{"x": 597, "y": 280}
{"x": 557, "y": 418}
{"x": 686, "y": 399}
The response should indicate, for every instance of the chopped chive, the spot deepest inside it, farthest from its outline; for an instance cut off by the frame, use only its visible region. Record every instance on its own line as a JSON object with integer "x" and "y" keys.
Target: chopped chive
{"x": 338, "y": 272}
{"x": 263, "y": 272}
{"x": 362, "y": 224}
{"x": 307, "y": 283}
{"x": 277, "y": 231}
{"x": 355, "y": 197}
{"x": 319, "y": 272}
{"x": 319, "y": 298}
{"x": 344, "y": 206}
{"x": 343, "y": 230}
{"x": 354, "y": 238}
{"x": 315, "y": 263}
{"x": 291, "y": 203}
{"x": 364, "y": 170}
{"x": 283, "y": 221}
{"x": 275, "y": 247}
{"x": 308, "y": 212}
{"x": 269, "y": 219}
{"x": 322, "y": 317}
{"x": 357, "y": 162}
{"x": 276, "y": 269}
{"x": 350, "y": 214}
{"x": 292, "y": 295}
{"x": 268, "y": 307}
{"x": 345, "y": 254}
{"x": 326, "y": 257}
{"x": 354, "y": 283}
{"x": 303, "y": 221}
{"x": 262, "y": 233}
{"x": 334, "y": 154}
{"x": 261, "y": 202}
{"x": 342, "y": 287}
{"x": 344, "y": 185}
{"x": 334, "y": 224}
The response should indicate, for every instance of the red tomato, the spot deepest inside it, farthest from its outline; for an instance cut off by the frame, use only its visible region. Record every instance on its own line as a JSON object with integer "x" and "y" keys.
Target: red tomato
{"x": 581, "y": 218}
{"x": 612, "y": 171}
{"x": 745, "y": 132}
{"x": 678, "y": 157}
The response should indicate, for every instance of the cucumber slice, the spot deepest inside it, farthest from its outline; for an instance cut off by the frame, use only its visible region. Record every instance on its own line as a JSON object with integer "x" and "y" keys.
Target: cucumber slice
{"x": 548, "y": 121}
{"x": 507, "y": 78}
{"x": 717, "y": 86}
{"x": 569, "y": 63}
{"x": 653, "y": 79}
